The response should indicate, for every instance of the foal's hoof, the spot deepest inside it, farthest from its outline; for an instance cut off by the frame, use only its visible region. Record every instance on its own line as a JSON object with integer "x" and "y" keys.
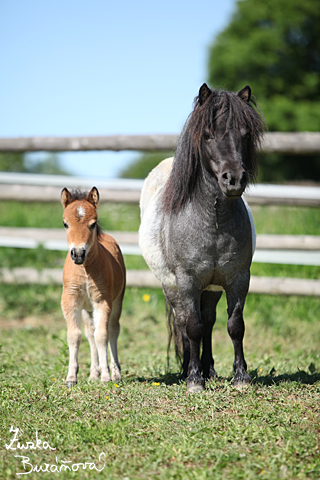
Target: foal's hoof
{"x": 71, "y": 384}
{"x": 194, "y": 387}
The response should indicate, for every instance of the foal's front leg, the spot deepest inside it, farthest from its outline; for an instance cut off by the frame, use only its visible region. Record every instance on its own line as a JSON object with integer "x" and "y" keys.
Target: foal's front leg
{"x": 89, "y": 331}
{"x": 101, "y": 315}
{"x": 72, "y": 314}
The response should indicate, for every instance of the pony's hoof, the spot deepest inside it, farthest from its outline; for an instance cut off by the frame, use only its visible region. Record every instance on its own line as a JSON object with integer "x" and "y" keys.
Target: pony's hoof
{"x": 195, "y": 387}
{"x": 241, "y": 382}
{"x": 71, "y": 384}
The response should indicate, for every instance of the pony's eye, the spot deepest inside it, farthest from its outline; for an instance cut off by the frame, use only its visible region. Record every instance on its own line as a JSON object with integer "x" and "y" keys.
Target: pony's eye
{"x": 65, "y": 225}
{"x": 207, "y": 136}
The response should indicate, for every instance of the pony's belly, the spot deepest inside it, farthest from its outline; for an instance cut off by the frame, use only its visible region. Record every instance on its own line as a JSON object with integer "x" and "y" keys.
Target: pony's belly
{"x": 214, "y": 288}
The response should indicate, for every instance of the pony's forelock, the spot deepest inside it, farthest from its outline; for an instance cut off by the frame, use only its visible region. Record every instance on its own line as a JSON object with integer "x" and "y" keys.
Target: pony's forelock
{"x": 183, "y": 180}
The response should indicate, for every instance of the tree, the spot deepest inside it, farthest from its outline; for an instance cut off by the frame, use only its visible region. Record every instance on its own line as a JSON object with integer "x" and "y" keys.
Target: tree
{"x": 274, "y": 46}
{"x": 141, "y": 167}
{"x": 18, "y": 162}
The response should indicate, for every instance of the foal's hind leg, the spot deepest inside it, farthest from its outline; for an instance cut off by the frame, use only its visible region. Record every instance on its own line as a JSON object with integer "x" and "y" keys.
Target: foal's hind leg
{"x": 113, "y": 334}
{"x": 209, "y": 302}
{"x": 89, "y": 331}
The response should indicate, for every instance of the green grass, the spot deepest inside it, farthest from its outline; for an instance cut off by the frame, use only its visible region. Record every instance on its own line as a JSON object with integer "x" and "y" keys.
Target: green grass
{"x": 148, "y": 426}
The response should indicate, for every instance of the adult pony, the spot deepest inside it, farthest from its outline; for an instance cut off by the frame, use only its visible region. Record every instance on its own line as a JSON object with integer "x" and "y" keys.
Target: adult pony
{"x": 197, "y": 234}
{"x": 93, "y": 283}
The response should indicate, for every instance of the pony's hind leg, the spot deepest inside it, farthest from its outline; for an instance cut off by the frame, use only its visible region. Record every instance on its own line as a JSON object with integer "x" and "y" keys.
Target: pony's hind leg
{"x": 89, "y": 331}
{"x": 209, "y": 302}
{"x": 177, "y": 325}
{"x": 113, "y": 334}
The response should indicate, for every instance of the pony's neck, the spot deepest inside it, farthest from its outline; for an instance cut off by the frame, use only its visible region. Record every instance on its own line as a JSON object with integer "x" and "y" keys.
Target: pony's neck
{"x": 212, "y": 201}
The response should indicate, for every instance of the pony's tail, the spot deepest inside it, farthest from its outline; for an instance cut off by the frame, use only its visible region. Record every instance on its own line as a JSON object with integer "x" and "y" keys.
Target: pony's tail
{"x": 174, "y": 334}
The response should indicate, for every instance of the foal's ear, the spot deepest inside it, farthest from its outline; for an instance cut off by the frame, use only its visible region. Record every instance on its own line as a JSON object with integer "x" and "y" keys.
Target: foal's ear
{"x": 93, "y": 197}
{"x": 245, "y": 94}
{"x": 65, "y": 197}
{"x": 204, "y": 93}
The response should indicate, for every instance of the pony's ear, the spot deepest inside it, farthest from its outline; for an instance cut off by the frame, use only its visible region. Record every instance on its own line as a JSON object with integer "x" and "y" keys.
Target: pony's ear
{"x": 65, "y": 197}
{"x": 245, "y": 94}
{"x": 204, "y": 93}
{"x": 93, "y": 197}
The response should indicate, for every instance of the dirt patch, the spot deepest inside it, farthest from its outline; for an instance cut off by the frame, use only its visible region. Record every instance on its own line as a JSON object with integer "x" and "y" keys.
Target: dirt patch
{"x": 31, "y": 322}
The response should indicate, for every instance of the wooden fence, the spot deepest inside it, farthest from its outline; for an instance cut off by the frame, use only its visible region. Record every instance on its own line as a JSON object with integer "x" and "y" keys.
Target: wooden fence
{"x": 301, "y": 250}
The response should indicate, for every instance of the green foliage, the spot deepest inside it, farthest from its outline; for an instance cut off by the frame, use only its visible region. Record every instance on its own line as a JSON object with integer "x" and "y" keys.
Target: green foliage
{"x": 275, "y": 47}
{"x": 12, "y": 162}
{"x": 18, "y": 162}
{"x": 141, "y": 167}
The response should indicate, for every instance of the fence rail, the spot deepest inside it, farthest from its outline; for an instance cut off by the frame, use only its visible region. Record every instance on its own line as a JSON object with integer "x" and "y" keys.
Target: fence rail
{"x": 300, "y": 250}
{"x": 307, "y": 143}
{"x": 145, "y": 278}
{"x": 288, "y": 249}
{"x": 47, "y": 188}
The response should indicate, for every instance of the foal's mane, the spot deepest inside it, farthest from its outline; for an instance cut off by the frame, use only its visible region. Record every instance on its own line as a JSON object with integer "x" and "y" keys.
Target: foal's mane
{"x": 78, "y": 194}
{"x": 184, "y": 178}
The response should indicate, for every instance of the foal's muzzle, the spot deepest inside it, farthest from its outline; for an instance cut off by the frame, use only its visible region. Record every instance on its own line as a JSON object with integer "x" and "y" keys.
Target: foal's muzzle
{"x": 78, "y": 255}
{"x": 233, "y": 184}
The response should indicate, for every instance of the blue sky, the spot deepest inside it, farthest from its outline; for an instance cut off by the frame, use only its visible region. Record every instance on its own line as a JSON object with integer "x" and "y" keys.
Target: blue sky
{"x": 102, "y": 67}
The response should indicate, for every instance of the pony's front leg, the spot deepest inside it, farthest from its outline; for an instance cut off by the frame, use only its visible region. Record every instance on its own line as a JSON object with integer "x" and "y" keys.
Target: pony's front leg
{"x": 190, "y": 300}
{"x": 72, "y": 314}
{"x": 89, "y": 331}
{"x": 101, "y": 315}
{"x": 236, "y": 330}
{"x": 209, "y": 302}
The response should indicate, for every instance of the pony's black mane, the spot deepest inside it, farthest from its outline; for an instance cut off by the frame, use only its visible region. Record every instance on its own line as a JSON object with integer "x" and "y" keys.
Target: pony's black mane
{"x": 183, "y": 180}
{"x": 78, "y": 194}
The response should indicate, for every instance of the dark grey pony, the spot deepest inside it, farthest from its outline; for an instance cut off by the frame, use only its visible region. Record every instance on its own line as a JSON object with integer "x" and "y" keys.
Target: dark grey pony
{"x": 197, "y": 234}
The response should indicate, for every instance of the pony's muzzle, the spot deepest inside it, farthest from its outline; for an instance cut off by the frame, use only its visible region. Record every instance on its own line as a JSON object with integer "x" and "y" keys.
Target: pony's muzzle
{"x": 234, "y": 184}
{"x": 78, "y": 255}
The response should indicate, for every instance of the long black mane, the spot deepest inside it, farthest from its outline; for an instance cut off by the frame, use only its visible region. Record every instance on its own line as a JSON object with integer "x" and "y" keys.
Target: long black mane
{"x": 184, "y": 178}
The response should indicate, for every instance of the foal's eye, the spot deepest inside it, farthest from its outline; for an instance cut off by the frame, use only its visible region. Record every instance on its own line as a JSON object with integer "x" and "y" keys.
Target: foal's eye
{"x": 93, "y": 226}
{"x": 65, "y": 224}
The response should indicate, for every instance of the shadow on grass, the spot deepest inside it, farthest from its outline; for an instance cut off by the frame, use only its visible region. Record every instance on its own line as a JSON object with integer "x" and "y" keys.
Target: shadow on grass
{"x": 271, "y": 379}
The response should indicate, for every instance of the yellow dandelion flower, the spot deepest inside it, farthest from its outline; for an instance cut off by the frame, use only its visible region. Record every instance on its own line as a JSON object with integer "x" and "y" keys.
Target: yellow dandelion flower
{"x": 146, "y": 297}
{"x": 107, "y": 398}
{"x": 156, "y": 384}
{"x": 53, "y": 379}
{"x": 116, "y": 385}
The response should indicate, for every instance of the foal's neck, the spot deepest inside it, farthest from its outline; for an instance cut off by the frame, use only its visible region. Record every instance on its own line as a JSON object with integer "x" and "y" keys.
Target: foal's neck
{"x": 92, "y": 258}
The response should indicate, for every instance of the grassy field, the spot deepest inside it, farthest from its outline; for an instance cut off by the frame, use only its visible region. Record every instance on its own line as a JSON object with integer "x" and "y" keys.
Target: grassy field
{"x": 147, "y": 426}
